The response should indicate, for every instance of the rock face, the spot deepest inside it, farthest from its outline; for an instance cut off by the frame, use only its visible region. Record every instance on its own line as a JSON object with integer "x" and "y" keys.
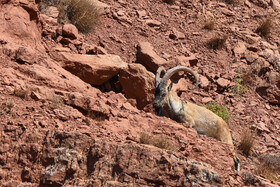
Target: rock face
{"x": 93, "y": 69}
{"x": 148, "y": 57}
{"x": 270, "y": 88}
{"x": 138, "y": 83}
{"x": 21, "y": 22}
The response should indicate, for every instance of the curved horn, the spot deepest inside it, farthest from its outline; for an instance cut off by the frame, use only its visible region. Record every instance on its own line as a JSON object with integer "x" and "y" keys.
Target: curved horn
{"x": 158, "y": 73}
{"x": 176, "y": 69}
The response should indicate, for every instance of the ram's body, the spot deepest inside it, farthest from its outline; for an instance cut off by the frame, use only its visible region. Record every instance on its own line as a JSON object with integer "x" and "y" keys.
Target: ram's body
{"x": 197, "y": 117}
{"x": 168, "y": 103}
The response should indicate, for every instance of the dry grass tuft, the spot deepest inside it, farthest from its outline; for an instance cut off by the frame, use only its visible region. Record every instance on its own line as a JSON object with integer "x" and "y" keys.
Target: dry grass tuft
{"x": 83, "y": 14}
{"x": 171, "y": 2}
{"x": 217, "y": 42}
{"x": 269, "y": 167}
{"x": 247, "y": 142}
{"x": 22, "y": 93}
{"x": 232, "y": 2}
{"x": 157, "y": 141}
{"x": 97, "y": 116}
{"x": 209, "y": 24}
{"x": 265, "y": 27}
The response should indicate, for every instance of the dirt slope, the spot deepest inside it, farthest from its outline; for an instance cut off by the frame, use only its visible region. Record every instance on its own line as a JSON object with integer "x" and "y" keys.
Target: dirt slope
{"x": 58, "y": 130}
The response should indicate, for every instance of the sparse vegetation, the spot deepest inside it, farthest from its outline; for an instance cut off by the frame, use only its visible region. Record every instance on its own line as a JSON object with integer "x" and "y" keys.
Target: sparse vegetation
{"x": 22, "y": 93}
{"x": 269, "y": 167}
{"x": 217, "y": 42}
{"x": 84, "y": 14}
{"x": 239, "y": 88}
{"x": 220, "y": 110}
{"x": 97, "y": 116}
{"x": 6, "y": 108}
{"x": 231, "y": 2}
{"x": 247, "y": 142}
{"x": 157, "y": 141}
{"x": 209, "y": 24}
{"x": 265, "y": 28}
{"x": 171, "y": 2}
{"x": 56, "y": 102}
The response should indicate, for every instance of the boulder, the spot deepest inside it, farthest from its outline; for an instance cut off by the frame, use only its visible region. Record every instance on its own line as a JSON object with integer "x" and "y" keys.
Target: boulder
{"x": 148, "y": 57}
{"x": 93, "y": 69}
{"x": 239, "y": 49}
{"x": 138, "y": 83}
{"x": 250, "y": 56}
{"x": 25, "y": 55}
{"x": 203, "y": 81}
{"x": 70, "y": 31}
{"x": 224, "y": 83}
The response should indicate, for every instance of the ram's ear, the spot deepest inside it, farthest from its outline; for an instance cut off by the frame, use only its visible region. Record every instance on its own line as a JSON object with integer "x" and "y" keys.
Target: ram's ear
{"x": 170, "y": 86}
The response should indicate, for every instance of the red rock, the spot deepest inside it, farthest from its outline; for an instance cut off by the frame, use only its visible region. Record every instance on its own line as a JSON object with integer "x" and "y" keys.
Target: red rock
{"x": 138, "y": 83}
{"x": 203, "y": 81}
{"x": 93, "y": 69}
{"x": 239, "y": 49}
{"x": 69, "y": 30}
{"x": 223, "y": 82}
{"x": 25, "y": 55}
{"x": 153, "y": 23}
{"x": 206, "y": 100}
{"x": 147, "y": 57}
{"x": 51, "y": 11}
{"x": 250, "y": 56}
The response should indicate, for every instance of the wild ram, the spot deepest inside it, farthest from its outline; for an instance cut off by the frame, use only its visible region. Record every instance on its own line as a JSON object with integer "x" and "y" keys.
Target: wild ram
{"x": 168, "y": 103}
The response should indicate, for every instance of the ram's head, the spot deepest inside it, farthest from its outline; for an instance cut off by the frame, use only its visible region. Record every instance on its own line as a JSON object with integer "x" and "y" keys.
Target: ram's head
{"x": 163, "y": 90}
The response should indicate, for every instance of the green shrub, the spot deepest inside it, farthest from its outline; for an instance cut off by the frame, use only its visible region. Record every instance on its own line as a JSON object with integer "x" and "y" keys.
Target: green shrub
{"x": 238, "y": 88}
{"x": 220, "y": 110}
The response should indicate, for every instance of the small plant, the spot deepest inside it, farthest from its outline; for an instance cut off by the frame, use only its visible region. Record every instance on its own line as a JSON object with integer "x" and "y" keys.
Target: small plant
{"x": 22, "y": 93}
{"x": 220, "y": 110}
{"x": 6, "y": 108}
{"x": 209, "y": 24}
{"x": 56, "y": 102}
{"x": 84, "y": 14}
{"x": 97, "y": 116}
{"x": 171, "y": 2}
{"x": 161, "y": 142}
{"x": 269, "y": 167}
{"x": 157, "y": 141}
{"x": 247, "y": 142}
{"x": 145, "y": 138}
{"x": 217, "y": 42}
{"x": 265, "y": 27}
{"x": 238, "y": 88}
